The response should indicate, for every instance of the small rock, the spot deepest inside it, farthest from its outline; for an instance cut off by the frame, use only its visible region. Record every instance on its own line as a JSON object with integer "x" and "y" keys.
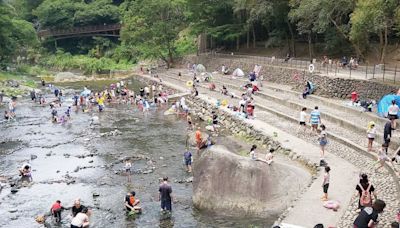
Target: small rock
{"x": 33, "y": 157}
{"x": 13, "y": 210}
{"x": 91, "y": 161}
{"x": 96, "y": 194}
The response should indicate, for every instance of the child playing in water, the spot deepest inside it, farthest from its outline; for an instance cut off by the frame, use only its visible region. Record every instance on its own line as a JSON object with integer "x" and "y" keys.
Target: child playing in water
{"x": 188, "y": 160}
{"x": 56, "y": 211}
{"x": 128, "y": 171}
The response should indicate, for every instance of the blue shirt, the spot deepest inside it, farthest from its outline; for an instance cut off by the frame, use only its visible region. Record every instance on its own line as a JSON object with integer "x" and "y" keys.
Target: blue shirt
{"x": 187, "y": 155}
{"x": 315, "y": 116}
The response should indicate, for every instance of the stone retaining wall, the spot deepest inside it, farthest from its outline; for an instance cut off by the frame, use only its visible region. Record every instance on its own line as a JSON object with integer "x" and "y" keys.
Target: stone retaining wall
{"x": 325, "y": 86}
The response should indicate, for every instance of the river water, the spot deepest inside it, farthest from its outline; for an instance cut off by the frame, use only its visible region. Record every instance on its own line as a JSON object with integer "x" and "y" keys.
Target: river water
{"x": 73, "y": 160}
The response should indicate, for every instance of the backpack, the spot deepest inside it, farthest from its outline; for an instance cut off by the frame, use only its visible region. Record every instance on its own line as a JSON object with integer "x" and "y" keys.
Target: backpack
{"x": 365, "y": 199}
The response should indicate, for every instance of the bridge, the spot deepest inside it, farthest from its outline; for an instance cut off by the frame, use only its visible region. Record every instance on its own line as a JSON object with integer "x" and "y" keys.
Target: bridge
{"x": 94, "y": 30}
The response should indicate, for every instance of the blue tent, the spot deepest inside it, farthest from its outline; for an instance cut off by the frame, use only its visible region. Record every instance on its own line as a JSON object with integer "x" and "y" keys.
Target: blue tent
{"x": 385, "y": 102}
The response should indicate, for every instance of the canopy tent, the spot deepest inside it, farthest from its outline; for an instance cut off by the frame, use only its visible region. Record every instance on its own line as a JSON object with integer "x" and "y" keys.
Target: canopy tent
{"x": 200, "y": 68}
{"x": 385, "y": 102}
{"x": 238, "y": 73}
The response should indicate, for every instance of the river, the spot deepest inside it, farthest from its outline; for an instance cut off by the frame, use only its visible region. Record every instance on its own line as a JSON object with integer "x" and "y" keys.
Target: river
{"x": 76, "y": 160}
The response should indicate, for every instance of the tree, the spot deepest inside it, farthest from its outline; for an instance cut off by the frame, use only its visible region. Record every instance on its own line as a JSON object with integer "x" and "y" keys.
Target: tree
{"x": 16, "y": 35}
{"x": 373, "y": 18}
{"x": 153, "y": 27}
{"x": 319, "y": 16}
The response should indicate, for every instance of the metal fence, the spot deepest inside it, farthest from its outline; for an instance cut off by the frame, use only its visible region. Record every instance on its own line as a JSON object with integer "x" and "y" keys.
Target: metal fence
{"x": 332, "y": 68}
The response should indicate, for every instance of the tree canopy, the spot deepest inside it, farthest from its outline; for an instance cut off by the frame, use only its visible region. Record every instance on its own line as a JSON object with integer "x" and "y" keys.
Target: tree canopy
{"x": 166, "y": 29}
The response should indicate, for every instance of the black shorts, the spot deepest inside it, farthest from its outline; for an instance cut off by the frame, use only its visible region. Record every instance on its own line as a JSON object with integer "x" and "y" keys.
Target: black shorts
{"x": 302, "y": 123}
{"x": 166, "y": 205}
{"x": 325, "y": 188}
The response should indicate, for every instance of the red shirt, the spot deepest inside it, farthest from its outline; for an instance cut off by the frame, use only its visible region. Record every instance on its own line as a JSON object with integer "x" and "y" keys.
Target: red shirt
{"x": 56, "y": 206}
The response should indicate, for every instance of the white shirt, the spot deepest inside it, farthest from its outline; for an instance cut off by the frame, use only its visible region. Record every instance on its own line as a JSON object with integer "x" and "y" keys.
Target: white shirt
{"x": 372, "y": 133}
{"x": 79, "y": 219}
{"x": 183, "y": 101}
{"x": 393, "y": 109}
{"x": 146, "y": 89}
{"x": 303, "y": 116}
{"x": 253, "y": 155}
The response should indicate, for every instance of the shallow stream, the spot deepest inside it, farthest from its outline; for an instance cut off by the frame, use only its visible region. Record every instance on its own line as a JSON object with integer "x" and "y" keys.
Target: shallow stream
{"x": 76, "y": 160}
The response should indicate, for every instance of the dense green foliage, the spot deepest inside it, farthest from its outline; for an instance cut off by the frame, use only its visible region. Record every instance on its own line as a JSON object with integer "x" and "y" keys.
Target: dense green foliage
{"x": 167, "y": 29}
{"x": 16, "y": 35}
{"x": 65, "y": 61}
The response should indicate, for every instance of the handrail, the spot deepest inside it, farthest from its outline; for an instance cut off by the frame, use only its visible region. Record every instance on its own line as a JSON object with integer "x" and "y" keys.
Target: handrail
{"x": 79, "y": 30}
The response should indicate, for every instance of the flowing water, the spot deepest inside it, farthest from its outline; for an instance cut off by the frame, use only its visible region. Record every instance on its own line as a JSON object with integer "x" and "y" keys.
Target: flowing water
{"x": 73, "y": 160}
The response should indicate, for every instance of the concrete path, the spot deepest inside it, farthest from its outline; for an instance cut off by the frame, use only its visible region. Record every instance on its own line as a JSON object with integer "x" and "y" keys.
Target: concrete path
{"x": 308, "y": 210}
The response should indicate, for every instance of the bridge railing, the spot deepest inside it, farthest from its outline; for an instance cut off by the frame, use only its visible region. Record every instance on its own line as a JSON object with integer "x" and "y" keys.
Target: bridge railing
{"x": 79, "y": 30}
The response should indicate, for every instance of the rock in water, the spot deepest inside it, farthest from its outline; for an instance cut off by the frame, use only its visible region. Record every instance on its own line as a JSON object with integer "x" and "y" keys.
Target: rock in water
{"x": 235, "y": 185}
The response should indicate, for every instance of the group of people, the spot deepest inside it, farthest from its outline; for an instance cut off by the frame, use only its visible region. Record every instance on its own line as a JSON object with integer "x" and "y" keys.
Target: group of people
{"x": 79, "y": 216}
{"x": 269, "y": 157}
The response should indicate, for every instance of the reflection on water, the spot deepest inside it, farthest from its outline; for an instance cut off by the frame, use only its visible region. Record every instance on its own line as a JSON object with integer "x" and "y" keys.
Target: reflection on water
{"x": 74, "y": 161}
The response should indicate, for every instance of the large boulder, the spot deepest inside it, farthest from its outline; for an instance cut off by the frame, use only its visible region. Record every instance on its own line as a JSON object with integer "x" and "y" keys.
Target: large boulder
{"x": 227, "y": 183}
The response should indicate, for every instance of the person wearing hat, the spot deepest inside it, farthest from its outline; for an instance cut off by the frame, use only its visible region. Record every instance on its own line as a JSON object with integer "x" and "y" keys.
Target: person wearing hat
{"x": 131, "y": 203}
{"x": 371, "y": 133}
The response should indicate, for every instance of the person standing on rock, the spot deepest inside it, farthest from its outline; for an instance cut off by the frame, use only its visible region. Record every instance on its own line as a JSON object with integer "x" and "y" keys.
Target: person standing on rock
{"x": 325, "y": 183}
{"x": 323, "y": 140}
{"x": 368, "y": 217}
{"x": 199, "y": 140}
{"x": 165, "y": 195}
{"x": 315, "y": 119}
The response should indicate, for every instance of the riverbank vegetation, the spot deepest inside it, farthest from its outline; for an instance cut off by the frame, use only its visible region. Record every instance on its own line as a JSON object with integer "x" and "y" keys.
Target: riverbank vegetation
{"x": 168, "y": 29}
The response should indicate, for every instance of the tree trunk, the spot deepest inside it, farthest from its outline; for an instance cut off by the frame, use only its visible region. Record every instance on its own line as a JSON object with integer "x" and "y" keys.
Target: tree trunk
{"x": 310, "y": 45}
{"x": 237, "y": 43}
{"x": 292, "y": 47}
{"x": 254, "y": 37}
{"x": 248, "y": 39}
{"x": 384, "y": 47}
{"x": 381, "y": 44}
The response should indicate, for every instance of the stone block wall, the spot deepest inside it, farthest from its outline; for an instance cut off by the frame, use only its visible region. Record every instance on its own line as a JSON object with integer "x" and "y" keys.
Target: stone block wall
{"x": 325, "y": 86}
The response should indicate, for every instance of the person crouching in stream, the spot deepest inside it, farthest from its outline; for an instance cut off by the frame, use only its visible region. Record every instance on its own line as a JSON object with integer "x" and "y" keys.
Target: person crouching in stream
{"x": 131, "y": 203}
